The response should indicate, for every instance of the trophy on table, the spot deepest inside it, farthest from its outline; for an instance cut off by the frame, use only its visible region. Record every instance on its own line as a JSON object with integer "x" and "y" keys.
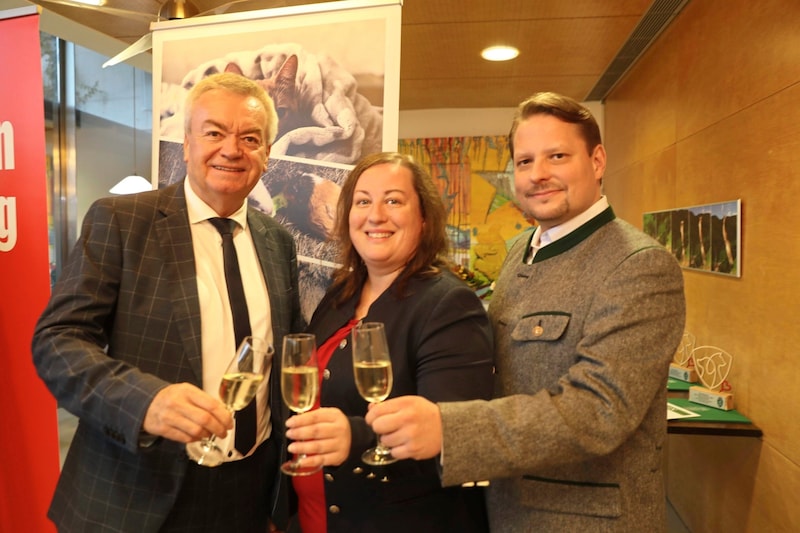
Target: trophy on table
{"x": 713, "y": 365}
{"x": 682, "y": 365}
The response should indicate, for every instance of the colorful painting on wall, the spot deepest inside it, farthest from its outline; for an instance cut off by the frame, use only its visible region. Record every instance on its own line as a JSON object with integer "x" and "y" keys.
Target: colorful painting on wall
{"x": 475, "y": 179}
{"x": 705, "y": 237}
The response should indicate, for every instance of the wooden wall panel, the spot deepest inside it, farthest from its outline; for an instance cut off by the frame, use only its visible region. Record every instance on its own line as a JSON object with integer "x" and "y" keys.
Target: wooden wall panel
{"x": 624, "y": 191}
{"x": 619, "y": 117}
{"x": 632, "y": 195}
{"x": 715, "y": 483}
{"x": 737, "y": 486}
{"x": 711, "y": 114}
{"x": 733, "y": 53}
{"x": 641, "y": 131}
{"x": 775, "y": 498}
{"x": 755, "y": 155}
{"x": 660, "y": 185}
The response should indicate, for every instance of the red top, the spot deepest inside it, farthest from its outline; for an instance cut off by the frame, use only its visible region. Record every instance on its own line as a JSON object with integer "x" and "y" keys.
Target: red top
{"x": 310, "y": 489}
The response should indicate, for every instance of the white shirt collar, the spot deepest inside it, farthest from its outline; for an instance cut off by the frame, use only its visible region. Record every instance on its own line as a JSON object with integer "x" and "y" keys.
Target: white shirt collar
{"x": 543, "y": 238}
{"x": 200, "y": 211}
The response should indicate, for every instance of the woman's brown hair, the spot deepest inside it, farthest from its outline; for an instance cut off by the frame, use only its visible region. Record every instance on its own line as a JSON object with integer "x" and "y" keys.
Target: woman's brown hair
{"x": 431, "y": 253}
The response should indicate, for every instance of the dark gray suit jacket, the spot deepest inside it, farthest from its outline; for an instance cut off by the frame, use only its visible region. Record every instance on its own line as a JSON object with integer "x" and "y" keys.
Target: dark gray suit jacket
{"x": 122, "y": 323}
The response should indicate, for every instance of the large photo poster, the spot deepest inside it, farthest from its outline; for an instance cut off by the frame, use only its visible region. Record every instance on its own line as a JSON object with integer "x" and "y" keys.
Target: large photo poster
{"x": 333, "y": 70}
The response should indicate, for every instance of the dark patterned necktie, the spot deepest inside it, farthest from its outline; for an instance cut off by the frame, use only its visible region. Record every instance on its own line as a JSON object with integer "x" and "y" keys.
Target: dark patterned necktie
{"x": 246, "y": 418}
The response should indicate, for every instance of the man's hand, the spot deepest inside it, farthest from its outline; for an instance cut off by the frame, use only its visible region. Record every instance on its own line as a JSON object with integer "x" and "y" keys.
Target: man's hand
{"x": 410, "y": 425}
{"x": 185, "y": 413}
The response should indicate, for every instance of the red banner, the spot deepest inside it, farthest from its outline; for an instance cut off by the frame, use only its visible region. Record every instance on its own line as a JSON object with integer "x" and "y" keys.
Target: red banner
{"x": 28, "y": 425}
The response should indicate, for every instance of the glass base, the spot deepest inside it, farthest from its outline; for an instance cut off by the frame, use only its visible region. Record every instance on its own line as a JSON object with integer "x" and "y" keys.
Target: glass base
{"x": 378, "y": 456}
{"x": 294, "y": 468}
{"x": 205, "y": 453}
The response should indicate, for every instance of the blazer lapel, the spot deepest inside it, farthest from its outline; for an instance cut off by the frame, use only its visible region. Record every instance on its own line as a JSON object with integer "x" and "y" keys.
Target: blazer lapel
{"x": 271, "y": 259}
{"x": 175, "y": 238}
{"x": 273, "y": 268}
{"x": 332, "y": 318}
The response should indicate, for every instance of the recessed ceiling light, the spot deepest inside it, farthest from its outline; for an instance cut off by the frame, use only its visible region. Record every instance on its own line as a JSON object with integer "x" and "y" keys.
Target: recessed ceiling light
{"x": 499, "y": 53}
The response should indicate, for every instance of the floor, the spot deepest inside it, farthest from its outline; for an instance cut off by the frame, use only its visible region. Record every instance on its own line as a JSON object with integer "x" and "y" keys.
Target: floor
{"x": 67, "y": 424}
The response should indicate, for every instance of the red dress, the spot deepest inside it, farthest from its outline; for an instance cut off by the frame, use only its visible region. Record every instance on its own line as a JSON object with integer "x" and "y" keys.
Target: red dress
{"x": 310, "y": 490}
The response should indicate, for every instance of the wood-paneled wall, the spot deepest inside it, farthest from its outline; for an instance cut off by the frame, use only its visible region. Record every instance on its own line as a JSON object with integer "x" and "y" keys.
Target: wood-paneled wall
{"x": 712, "y": 113}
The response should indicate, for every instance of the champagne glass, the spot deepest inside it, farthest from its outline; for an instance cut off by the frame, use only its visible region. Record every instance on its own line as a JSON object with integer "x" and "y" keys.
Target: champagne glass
{"x": 299, "y": 386}
{"x": 238, "y": 386}
{"x": 372, "y": 369}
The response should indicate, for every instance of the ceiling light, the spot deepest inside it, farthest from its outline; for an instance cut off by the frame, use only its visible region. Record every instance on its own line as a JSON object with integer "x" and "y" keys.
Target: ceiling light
{"x": 133, "y": 183}
{"x": 90, "y": 2}
{"x": 130, "y": 185}
{"x": 499, "y": 53}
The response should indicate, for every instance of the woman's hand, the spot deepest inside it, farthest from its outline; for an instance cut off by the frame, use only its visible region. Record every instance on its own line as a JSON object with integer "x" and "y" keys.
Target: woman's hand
{"x": 322, "y": 434}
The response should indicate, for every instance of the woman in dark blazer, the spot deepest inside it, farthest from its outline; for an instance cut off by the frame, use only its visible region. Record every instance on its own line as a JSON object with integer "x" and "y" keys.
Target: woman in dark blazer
{"x": 391, "y": 229}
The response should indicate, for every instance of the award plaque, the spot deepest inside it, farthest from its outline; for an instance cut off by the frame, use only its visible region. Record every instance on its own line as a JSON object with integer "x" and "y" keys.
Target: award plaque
{"x": 682, "y": 365}
{"x": 713, "y": 365}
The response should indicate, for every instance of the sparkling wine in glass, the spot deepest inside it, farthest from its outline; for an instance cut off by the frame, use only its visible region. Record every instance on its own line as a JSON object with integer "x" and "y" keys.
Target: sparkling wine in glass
{"x": 299, "y": 386}
{"x": 372, "y": 369}
{"x": 238, "y": 386}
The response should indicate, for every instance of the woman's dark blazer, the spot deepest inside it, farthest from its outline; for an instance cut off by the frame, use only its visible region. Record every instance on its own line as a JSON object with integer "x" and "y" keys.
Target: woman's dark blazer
{"x": 440, "y": 342}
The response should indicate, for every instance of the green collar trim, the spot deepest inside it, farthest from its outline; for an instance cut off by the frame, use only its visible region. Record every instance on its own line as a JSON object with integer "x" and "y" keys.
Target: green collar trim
{"x": 572, "y": 239}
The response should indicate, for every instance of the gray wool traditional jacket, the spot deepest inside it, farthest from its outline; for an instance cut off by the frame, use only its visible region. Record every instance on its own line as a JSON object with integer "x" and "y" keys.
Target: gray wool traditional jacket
{"x": 584, "y": 336}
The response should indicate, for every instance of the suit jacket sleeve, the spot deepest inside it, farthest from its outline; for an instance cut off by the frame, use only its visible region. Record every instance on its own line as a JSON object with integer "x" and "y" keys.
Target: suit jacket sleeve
{"x": 110, "y": 285}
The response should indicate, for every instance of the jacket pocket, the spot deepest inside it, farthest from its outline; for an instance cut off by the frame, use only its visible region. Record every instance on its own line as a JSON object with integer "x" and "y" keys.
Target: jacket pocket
{"x": 541, "y": 327}
{"x": 572, "y": 497}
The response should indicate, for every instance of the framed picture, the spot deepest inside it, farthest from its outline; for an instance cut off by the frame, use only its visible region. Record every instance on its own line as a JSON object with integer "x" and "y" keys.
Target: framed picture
{"x": 704, "y": 237}
{"x": 333, "y": 71}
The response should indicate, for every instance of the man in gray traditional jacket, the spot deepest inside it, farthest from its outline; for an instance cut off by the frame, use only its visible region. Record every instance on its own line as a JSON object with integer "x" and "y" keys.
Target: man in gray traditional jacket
{"x": 587, "y": 314}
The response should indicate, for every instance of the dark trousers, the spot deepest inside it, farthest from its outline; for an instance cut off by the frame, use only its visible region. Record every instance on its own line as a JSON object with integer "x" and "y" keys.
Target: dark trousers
{"x": 234, "y": 496}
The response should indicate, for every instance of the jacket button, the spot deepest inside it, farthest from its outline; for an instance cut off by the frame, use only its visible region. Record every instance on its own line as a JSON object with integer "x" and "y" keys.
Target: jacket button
{"x": 326, "y": 374}
{"x": 334, "y": 509}
{"x": 537, "y": 331}
{"x": 328, "y": 477}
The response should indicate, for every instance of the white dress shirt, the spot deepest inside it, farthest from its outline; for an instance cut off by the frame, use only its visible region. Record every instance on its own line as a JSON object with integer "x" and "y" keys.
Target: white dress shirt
{"x": 217, "y": 336}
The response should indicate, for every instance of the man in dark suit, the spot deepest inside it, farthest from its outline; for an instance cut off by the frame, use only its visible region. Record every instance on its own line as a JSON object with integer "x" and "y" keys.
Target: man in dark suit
{"x": 139, "y": 329}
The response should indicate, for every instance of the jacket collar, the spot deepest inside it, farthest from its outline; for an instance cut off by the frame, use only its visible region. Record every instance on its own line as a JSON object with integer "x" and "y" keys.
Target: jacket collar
{"x": 572, "y": 239}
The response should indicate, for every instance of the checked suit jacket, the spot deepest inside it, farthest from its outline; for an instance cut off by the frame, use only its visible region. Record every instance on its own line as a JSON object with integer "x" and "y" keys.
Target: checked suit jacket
{"x": 122, "y": 323}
